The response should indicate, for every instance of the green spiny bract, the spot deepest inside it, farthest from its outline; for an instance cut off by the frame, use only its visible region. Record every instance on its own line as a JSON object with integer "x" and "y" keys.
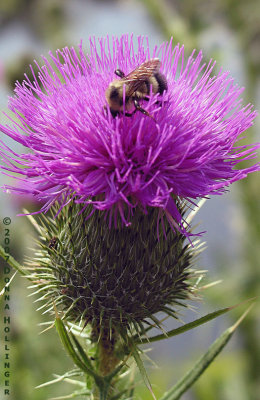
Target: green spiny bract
{"x": 115, "y": 277}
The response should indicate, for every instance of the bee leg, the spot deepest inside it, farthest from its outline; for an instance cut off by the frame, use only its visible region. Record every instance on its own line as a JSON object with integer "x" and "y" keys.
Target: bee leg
{"x": 142, "y": 110}
{"x": 119, "y": 73}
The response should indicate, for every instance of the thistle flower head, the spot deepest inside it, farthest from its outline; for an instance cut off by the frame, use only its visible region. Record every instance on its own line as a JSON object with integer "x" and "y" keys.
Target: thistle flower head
{"x": 78, "y": 150}
{"x": 115, "y": 278}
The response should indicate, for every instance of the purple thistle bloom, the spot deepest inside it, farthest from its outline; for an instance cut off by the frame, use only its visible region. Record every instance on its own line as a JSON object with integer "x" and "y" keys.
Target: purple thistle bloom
{"x": 78, "y": 150}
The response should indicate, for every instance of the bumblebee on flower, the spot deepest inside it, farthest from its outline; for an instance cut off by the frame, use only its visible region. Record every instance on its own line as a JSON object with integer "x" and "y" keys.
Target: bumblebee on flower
{"x": 186, "y": 151}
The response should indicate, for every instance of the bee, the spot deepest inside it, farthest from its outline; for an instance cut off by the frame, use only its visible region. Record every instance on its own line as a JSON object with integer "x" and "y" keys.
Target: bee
{"x": 137, "y": 88}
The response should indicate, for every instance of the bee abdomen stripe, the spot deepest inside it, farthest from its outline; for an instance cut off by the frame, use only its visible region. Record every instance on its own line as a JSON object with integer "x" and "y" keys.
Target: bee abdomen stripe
{"x": 162, "y": 82}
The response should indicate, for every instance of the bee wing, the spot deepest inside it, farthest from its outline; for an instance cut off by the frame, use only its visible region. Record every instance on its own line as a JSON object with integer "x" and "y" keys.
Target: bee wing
{"x": 139, "y": 75}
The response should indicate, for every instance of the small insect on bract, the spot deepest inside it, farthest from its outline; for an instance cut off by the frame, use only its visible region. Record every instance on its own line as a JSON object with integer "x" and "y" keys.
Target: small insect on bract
{"x": 53, "y": 243}
{"x": 138, "y": 84}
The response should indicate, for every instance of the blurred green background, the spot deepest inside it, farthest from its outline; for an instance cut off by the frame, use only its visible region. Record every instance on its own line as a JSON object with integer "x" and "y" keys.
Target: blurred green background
{"x": 228, "y": 31}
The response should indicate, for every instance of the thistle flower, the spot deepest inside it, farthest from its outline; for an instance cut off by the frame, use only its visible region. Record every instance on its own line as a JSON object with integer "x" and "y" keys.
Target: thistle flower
{"x": 78, "y": 151}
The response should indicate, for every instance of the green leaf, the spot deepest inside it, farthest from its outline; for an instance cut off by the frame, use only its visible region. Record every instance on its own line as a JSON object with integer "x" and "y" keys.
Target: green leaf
{"x": 82, "y": 353}
{"x": 70, "y": 349}
{"x": 186, "y": 327}
{"x": 191, "y": 377}
{"x": 142, "y": 370}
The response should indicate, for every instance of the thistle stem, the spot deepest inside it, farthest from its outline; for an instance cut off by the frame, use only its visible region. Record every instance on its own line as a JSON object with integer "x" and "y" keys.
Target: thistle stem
{"x": 11, "y": 261}
{"x": 107, "y": 358}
